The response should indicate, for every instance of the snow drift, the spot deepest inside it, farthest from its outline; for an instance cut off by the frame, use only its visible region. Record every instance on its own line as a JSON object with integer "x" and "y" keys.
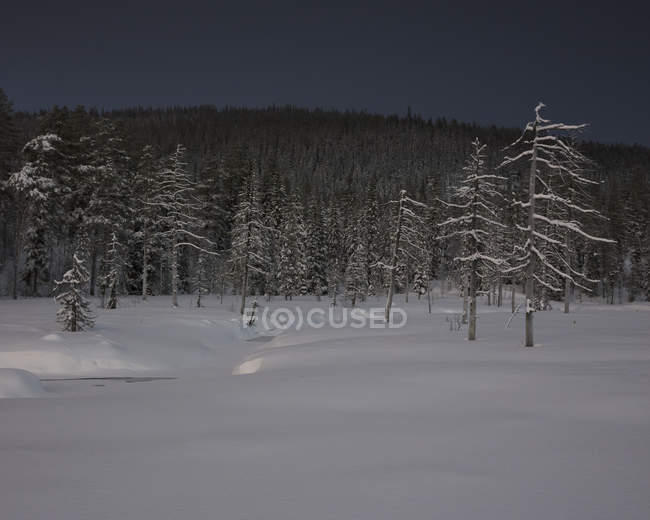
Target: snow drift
{"x": 19, "y": 383}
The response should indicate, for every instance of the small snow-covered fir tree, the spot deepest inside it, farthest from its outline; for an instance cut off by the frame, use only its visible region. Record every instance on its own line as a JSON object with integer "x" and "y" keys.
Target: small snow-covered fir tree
{"x": 74, "y": 314}
{"x": 420, "y": 280}
{"x": 476, "y": 224}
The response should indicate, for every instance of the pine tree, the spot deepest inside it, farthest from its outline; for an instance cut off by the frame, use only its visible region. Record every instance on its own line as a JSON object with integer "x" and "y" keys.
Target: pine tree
{"x": 107, "y": 170}
{"x": 32, "y": 188}
{"x": 75, "y": 313}
{"x": 356, "y": 274}
{"x": 335, "y": 250}
{"x": 146, "y": 211}
{"x": 115, "y": 264}
{"x": 315, "y": 251}
{"x": 273, "y": 209}
{"x": 292, "y": 267}
{"x": 178, "y": 217}
{"x": 249, "y": 236}
{"x": 407, "y": 241}
{"x": 370, "y": 225}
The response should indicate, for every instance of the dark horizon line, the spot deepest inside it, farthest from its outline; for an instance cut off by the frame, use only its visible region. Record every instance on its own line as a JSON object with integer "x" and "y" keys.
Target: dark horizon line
{"x": 335, "y": 110}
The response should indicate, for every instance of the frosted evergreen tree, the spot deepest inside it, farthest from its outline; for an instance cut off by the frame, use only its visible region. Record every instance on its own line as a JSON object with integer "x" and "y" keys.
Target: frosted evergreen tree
{"x": 105, "y": 165}
{"x": 145, "y": 186}
{"x": 33, "y": 187}
{"x": 334, "y": 244}
{"x": 548, "y": 153}
{"x": 420, "y": 280}
{"x": 178, "y": 218}
{"x": 115, "y": 265}
{"x": 315, "y": 252}
{"x": 407, "y": 241}
{"x": 476, "y": 224}
{"x": 274, "y": 218}
{"x": 370, "y": 224}
{"x": 356, "y": 274}
{"x": 74, "y": 313}
{"x": 248, "y": 253}
{"x": 292, "y": 267}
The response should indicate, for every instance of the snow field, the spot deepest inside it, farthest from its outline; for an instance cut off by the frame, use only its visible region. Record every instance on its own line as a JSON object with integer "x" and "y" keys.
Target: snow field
{"x": 331, "y": 423}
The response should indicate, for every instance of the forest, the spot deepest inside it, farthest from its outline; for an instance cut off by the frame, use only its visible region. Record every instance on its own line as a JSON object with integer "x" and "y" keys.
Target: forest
{"x": 285, "y": 201}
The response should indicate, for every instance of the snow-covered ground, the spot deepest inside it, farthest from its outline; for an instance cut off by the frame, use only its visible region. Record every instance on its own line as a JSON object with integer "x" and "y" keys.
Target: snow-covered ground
{"x": 324, "y": 423}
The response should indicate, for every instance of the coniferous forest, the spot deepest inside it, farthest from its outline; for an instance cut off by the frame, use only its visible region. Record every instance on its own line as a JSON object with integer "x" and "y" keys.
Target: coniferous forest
{"x": 285, "y": 201}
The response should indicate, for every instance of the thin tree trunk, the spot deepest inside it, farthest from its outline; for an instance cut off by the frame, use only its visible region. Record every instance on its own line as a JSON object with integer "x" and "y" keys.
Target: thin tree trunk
{"x": 512, "y": 297}
{"x": 500, "y": 293}
{"x": 244, "y": 288}
{"x": 406, "y": 298}
{"x": 394, "y": 255}
{"x": 14, "y": 288}
{"x": 174, "y": 267}
{"x": 620, "y": 289}
{"x": 429, "y": 294}
{"x": 145, "y": 269}
{"x": 530, "y": 271}
{"x": 465, "y": 297}
{"x": 567, "y": 258}
{"x": 93, "y": 270}
{"x": 471, "y": 334}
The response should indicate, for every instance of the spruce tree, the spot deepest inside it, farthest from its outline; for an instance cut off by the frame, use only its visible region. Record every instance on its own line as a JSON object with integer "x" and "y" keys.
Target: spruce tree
{"x": 74, "y": 314}
{"x": 178, "y": 215}
{"x": 248, "y": 253}
{"x": 315, "y": 251}
{"x": 115, "y": 264}
{"x": 292, "y": 267}
{"x": 356, "y": 274}
{"x": 407, "y": 242}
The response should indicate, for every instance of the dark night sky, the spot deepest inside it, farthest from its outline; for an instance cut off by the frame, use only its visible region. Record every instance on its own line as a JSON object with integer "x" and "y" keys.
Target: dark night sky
{"x": 487, "y": 62}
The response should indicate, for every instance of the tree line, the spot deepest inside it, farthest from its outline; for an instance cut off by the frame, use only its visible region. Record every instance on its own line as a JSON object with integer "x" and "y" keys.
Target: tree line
{"x": 286, "y": 201}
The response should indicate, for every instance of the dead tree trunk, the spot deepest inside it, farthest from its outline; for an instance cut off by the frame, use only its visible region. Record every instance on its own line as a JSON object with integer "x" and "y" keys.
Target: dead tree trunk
{"x": 394, "y": 259}
{"x": 530, "y": 271}
{"x": 471, "y": 334}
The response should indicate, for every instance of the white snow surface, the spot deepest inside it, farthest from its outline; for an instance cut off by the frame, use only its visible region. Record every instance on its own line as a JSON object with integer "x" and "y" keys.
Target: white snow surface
{"x": 329, "y": 423}
{"x": 19, "y": 383}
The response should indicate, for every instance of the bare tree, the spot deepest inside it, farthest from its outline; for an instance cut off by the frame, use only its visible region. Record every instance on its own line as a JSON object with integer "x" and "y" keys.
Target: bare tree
{"x": 407, "y": 241}
{"x": 539, "y": 249}
{"x": 178, "y": 208}
{"x": 476, "y": 226}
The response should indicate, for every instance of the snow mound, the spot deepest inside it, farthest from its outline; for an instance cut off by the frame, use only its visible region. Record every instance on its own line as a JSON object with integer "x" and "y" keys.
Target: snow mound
{"x": 19, "y": 383}
{"x": 248, "y": 367}
{"x": 52, "y": 337}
